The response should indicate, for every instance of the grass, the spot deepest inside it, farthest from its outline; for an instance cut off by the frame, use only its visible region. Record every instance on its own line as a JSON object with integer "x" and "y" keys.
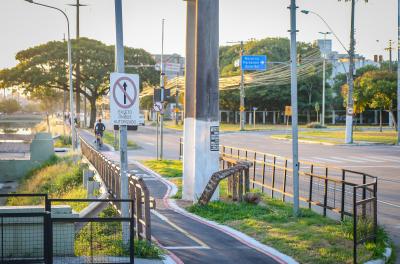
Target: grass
{"x": 107, "y": 238}
{"x": 309, "y": 238}
{"x": 231, "y": 127}
{"x": 166, "y": 168}
{"x": 63, "y": 142}
{"x": 337, "y": 137}
{"x": 108, "y": 138}
{"x": 58, "y": 177}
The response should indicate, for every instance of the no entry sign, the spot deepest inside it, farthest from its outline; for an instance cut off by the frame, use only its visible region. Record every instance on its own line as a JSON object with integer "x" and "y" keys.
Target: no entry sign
{"x": 124, "y": 99}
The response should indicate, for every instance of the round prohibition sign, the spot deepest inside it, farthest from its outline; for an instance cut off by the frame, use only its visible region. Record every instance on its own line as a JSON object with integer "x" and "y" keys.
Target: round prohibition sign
{"x": 124, "y": 84}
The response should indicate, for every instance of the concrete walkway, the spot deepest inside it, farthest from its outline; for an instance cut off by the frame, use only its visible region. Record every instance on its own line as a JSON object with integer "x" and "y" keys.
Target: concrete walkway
{"x": 190, "y": 239}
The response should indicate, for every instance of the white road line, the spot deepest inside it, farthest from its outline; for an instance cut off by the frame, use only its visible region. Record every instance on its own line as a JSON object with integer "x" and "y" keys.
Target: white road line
{"x": 373, "y": 166}
{"x": 327, "y": 160}
{"x": 186, "y": 247}
{"x": 195, "y": 239}
{"x": 361, "y": 159}
{"x": 387, "y": 158}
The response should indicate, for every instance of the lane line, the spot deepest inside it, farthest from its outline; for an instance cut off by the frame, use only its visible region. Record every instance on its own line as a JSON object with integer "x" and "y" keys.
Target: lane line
{"x": 187, "y": 234}
{"x": 327, "y": 160}
{"x": 186, "y": 247}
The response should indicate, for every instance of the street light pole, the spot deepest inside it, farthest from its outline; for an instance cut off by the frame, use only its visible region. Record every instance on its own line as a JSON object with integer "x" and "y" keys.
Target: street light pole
{"x": 162, "y": 84}
{"x": 242, "y": 92}
{"x": 295, "y": 147}
{"x": 398, "y": 73}
{"x": 71, "y": 90}
{"x": 324, "y": 78}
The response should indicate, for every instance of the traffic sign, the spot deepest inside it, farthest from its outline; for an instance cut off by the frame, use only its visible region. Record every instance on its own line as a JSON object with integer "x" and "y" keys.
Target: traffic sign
{"x": 124, "y": 99}
{"x": 173, "y": 67}
{"x": 288, "y": 110}
{"x": 158, "y": 107}
{"x": 254, "y": 63}
{"x": 350, "y": 111}
{"x": 242, "y": 108}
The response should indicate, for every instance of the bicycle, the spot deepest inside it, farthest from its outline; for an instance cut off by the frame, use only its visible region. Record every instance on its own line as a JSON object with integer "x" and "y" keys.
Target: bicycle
{"x": 99, "y": 141}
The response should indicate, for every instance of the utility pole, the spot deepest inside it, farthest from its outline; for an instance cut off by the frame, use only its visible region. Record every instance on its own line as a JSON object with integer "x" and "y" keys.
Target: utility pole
{"x": 390, "y": 49}
{"x": 162, "y": 84}
{"x": 120, "y": 67}
{"x": 177, "y": 99}
{"x": 242, "y": 93}
{"x": 78, "y": 67}
{"x": 350, "y": 101}
{"x": 398, "y": 72}
{"x": 324, "y": 78}
{"x": 295, "y": 147}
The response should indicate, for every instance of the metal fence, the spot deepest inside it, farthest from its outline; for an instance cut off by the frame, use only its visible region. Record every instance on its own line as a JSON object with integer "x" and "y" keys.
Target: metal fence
{"x": 138, "y": 191}
{"x": 325, "y": 189}
{"x": 37, "y": 236}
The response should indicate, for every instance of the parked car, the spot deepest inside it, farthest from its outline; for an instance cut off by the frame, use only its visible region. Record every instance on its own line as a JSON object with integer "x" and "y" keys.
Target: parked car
{"x": 141, "y": 120}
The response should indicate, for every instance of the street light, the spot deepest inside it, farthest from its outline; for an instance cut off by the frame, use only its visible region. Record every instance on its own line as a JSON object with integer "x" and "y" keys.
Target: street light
{"x": 350, "y": 76}
{"x": 71, "y": 92}
{"x": 324, "y": 78}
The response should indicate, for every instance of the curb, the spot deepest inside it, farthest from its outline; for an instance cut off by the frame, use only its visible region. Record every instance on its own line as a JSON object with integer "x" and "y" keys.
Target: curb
{"x": 306, "y": 141}
{"x": 385, "y": 259}
{"x": 241, "y": 237}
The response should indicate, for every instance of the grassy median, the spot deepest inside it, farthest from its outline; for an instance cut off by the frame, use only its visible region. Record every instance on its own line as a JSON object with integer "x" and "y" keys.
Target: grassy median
{"x": 337, "y": 137}
{"x": 108, "y": 138}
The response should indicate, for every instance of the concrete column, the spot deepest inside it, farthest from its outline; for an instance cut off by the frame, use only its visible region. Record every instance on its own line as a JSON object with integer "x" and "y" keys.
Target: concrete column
{"x": 236, "y": 117}
{"x": 227, "y": 116}
{"x": 361, "y": 118}
{"x": 375, "y": 117}
{"x": 390, "y": 119}
{"x": 201, "y": 135}
{"x": 264, "y": 115}
{"x": 333, "y": 117}
{"x": 274, "y": 117}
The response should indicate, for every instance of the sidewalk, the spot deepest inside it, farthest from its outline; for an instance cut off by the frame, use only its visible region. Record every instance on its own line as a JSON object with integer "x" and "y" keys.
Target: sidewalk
{"x": 190, "y": 239}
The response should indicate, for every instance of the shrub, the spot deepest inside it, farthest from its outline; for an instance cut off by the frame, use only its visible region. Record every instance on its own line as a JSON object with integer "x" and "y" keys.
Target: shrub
{"x": 315, "y": 125}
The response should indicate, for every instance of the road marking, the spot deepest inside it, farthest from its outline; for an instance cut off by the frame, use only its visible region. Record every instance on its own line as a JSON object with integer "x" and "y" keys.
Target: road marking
{"x": 386, "y": 158}
{"x": 183, "y": 231}
{"x": 373, "y": 166}
{"x": 186, "y": 247}
{"x": 327, "y": 160}
{"x": 148, "y": 143}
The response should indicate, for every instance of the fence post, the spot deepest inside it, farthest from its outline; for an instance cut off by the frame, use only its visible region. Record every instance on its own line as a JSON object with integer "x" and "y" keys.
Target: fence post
{"x": 364, "y": 196}
{"x": 48, "y": 231}
{"x": 247, "y": 179}
{"x": 375, "y": 209}
{"x": 254, "y": 169}
{"x": 311, "y": 186}
{"x": 284, "y": 181}
{"x": 132, "y": 233}
{"x": 343, "y": 194}
{"x": 326, "y": 191}
{"x": 355, "y": 225}
{"x": 240, "y": 175}
{"x": 273, "y": 178}
{"x": 263, "y": 173}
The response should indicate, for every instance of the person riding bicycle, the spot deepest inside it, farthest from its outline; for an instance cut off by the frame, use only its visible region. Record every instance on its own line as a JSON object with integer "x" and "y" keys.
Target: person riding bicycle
{"x": 99, "y": 129}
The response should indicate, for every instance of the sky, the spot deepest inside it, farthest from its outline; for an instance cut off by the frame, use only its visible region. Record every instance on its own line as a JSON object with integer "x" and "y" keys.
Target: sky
{"x": 23, "y": 25}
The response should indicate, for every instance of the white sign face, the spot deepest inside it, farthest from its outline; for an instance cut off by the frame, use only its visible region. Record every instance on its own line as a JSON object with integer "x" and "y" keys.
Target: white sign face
{"x": 158, "y": 107}
{"x": 173, "y": 67}
{"x": 124, "y": 99}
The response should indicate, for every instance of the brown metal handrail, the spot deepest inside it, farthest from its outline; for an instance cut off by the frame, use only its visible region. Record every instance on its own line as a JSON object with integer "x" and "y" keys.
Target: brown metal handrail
{"x": 138, "y": 191}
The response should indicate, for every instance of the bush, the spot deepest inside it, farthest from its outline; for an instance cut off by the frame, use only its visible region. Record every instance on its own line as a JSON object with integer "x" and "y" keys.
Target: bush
{"x": 315, "y": 125}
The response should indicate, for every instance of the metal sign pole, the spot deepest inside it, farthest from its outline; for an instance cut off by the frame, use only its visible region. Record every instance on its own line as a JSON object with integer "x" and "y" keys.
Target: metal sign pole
{"x": 120, "y": 67}
{"x": 162, "y": 92}
{"x": 295, "y": 148}
{"x": 398, "y": 74}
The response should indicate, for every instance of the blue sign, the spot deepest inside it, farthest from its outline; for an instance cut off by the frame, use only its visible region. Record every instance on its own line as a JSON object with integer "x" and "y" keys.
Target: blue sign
{"x": 254, "y": 63}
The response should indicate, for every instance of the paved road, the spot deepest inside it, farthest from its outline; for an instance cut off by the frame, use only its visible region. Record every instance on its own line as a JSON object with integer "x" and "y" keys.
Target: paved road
{"x": 190, "y": 240}
{"x": 381, "y": 161}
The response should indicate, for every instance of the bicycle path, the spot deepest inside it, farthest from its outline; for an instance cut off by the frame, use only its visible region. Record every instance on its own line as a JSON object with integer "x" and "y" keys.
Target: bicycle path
{"x": 188, "y": 238}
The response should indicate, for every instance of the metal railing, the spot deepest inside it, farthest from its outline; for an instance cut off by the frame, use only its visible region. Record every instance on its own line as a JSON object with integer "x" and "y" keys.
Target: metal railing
{"x": 138, "y": 191}
{"x": 322, "y": 188}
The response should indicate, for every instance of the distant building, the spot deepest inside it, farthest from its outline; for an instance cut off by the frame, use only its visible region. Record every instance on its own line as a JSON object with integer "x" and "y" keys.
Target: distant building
{"x": 340, "y": 62}
{"x": 174, "y": 64}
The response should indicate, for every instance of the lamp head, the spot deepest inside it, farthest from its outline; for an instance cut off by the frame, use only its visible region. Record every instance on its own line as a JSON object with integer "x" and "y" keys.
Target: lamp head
{"x": 305, "y": 12}
{"x": 29, "y": 1}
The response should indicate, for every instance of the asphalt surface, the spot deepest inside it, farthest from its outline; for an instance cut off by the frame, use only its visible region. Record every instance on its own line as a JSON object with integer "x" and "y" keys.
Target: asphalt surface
{"x": 190, "y": 240}
{"x": 378, "y": 160}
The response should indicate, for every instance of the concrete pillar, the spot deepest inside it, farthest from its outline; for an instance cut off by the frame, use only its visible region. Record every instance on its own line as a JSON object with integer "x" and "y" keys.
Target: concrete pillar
{"x": 201, "y": 135}
{"x": 375, "y": 117}
{"x": 333, "y": 117}
{"x": 390, "y": 119}
{"x": 236, "y": 116}
{"x": 274, "y": 117}
{"x": 264, "y": 115}
{"x": 361, "y": 118}
{"x": 227, "y": 116}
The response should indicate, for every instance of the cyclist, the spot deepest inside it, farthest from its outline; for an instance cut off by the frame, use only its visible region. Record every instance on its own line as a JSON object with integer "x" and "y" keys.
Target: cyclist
{"x": 98, "y": 132}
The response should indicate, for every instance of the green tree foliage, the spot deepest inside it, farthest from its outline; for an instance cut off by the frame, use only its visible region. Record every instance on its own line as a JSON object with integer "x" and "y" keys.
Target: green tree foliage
{"x": 43, "y": 68}
{"x": 9, "y": 106}
{"x": 270, "y": 97}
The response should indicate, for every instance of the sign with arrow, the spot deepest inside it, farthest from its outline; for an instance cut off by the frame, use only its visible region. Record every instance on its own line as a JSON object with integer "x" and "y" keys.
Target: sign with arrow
{"x": 124, "y": 99}
{"x": 254, "y": 63}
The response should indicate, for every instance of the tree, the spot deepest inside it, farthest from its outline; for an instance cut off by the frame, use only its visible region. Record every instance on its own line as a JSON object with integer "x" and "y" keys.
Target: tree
{"x": 44, "y": 67}
{"x": 9, "y": 106}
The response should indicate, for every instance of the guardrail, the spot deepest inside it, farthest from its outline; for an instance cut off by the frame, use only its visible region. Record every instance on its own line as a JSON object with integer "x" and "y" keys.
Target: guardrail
{"x": 138, "y": 191}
